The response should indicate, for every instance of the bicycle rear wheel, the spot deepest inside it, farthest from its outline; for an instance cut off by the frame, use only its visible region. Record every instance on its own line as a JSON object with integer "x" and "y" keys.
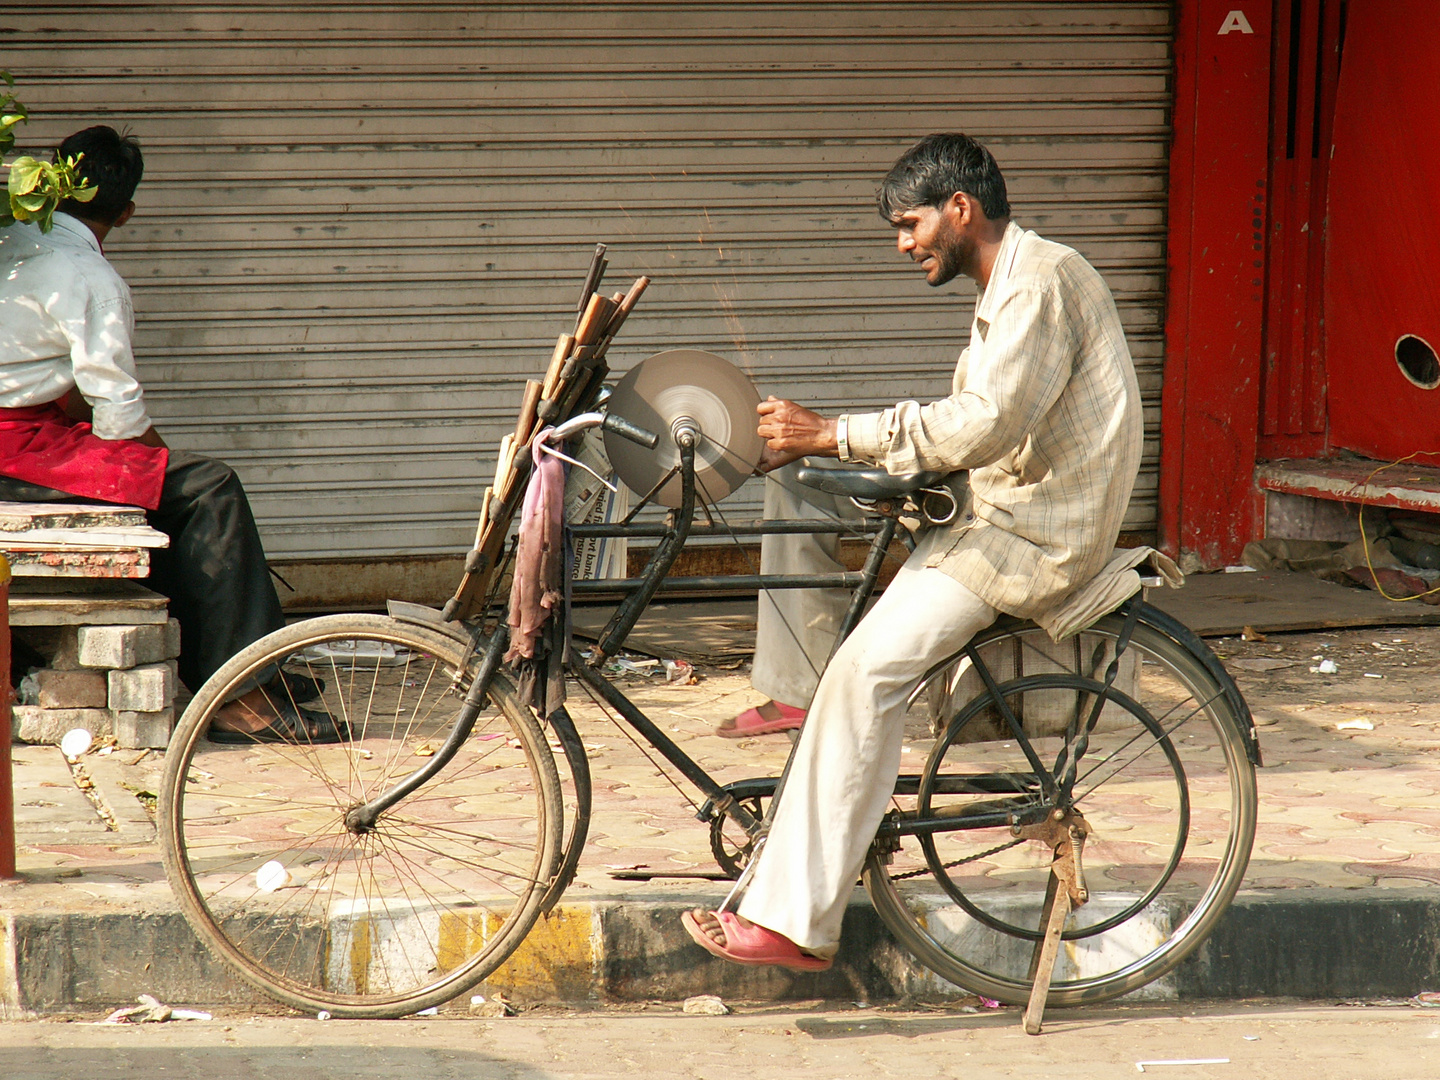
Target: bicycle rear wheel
{"x": 1165, "y": 788}
{"x": 393, "y": 919}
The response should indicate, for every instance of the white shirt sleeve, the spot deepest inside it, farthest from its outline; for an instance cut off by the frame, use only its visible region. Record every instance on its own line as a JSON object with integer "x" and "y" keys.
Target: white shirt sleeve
{"x": 104, "y": 366}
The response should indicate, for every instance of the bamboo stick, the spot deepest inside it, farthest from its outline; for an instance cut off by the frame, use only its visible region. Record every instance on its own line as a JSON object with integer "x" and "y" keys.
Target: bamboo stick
{"x": 593, "y": 323}
{"x": 502, "y": 462}
{"x": 575, "y": 371}
{"x": 563, "y": 348}
{"x": 627, "y": 305}
{"x": 525, "y": 422}
{"x": 484, "y": 516}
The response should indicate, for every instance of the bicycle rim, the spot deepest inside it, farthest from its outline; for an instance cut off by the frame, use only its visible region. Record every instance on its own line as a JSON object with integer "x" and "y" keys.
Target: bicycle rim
{"x": 1167, "y": 793}
{"x": 399, "y": 918}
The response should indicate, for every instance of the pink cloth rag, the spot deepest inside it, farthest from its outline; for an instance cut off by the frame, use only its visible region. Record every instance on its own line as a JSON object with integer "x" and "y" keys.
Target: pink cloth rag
{"x": 538, "y": 588}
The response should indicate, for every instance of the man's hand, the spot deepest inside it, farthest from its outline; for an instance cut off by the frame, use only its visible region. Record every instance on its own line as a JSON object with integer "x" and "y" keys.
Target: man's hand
{"x": 792, "y": 432}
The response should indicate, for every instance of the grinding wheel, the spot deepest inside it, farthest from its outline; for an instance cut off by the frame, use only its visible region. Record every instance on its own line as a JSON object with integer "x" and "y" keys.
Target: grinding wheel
{"x": 708, "y": 389}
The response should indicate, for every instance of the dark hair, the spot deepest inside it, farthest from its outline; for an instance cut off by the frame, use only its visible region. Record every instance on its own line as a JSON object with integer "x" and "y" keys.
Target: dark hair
{"x": 934, "y": 169}
{"x": 112, "y": 163}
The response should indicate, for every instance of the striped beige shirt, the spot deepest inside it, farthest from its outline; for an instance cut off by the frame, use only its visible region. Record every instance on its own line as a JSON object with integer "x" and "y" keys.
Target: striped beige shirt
{"x": 1044, "y": 411}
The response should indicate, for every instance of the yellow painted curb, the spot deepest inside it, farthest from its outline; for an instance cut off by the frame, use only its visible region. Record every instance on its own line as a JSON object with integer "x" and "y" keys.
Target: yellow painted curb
{"x": 556, "y": 961}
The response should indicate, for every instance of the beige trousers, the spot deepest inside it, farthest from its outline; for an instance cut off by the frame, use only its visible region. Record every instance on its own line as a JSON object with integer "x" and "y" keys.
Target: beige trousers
{"x": 849, "y": 753}
{"x": 796, "y": 628}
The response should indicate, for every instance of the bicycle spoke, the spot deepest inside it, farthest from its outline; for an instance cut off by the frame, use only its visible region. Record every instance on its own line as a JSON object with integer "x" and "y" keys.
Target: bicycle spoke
{"x": 367, "y": 922}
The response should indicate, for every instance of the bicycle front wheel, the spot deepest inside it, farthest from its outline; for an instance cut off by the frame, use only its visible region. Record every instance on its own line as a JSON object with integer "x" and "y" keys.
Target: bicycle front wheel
{"x": 1164, "y": 787}
{"x": 385, "y": 921}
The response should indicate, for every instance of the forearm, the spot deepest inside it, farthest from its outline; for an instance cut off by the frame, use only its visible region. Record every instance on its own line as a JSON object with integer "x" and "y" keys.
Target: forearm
{"x": 76, "y": 407}
{"x": 954, "y": 433}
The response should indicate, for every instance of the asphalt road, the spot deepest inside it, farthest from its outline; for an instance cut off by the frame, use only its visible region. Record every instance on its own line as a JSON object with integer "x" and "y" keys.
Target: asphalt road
{"x": 1294, "y": 1042}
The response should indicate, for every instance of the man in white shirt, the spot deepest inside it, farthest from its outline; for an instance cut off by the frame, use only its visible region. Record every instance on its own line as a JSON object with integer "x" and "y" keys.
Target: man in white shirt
{"x": 73, "y": 424}
{"x": 1044, "y": 413}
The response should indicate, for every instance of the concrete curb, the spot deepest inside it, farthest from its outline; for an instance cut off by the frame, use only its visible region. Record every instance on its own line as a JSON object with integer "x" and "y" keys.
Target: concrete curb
{"x": 1293, "y": 943}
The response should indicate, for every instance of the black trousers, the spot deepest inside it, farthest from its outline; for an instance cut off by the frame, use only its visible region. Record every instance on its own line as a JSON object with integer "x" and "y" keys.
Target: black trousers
{"x": 214, "y": 571}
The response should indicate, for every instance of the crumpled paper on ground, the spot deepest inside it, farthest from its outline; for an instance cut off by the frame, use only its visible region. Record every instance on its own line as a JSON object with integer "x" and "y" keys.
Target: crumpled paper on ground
{"x": 152, "y": 1011}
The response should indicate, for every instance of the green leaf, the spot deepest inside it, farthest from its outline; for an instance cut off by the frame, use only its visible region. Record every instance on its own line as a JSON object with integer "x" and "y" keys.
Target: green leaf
{"x": 25, "y": 174}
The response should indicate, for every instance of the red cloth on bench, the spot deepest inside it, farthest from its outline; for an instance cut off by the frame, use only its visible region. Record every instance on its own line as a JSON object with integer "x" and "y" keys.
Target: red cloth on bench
{"x": 40, "y": 444}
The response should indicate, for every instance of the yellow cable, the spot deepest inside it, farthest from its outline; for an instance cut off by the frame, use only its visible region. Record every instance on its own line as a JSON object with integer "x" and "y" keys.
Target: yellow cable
{"x": 1365, "y": 540}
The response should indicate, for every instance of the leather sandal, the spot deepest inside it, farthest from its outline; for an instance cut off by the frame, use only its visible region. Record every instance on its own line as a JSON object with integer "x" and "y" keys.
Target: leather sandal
{"x": 291, "y": 725}
{"x": 752, "y": 944}
{"x": 302, "y": 689}
{"x": 754, "y": 722}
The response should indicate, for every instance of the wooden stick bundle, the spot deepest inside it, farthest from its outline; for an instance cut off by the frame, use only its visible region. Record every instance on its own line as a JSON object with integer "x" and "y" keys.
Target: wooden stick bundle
{"x": 570, "y": 382}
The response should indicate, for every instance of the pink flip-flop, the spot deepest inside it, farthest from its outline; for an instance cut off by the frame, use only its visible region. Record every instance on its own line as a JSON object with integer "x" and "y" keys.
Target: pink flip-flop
{"x": 750, "y": 722}
{"x": 752, "y": 944}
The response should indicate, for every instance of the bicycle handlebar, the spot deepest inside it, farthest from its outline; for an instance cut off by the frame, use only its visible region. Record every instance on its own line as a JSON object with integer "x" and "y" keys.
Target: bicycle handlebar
{"x": 610, "y": 422}
{"x": 634, "y": 432}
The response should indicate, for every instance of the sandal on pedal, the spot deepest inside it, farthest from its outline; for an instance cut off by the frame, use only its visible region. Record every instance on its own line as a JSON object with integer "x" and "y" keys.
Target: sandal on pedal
{"x": 754, "y": 722}
{"x": 292, "y": 725}
{"x": 752, "y": 944}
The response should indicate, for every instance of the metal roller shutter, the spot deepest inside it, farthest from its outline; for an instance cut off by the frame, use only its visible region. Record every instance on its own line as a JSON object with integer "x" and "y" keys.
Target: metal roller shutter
{"x": 363, "y": 224}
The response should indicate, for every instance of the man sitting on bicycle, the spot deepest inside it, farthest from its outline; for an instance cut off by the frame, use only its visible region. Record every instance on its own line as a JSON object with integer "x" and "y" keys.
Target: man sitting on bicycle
{"x": 1045, "y": 414}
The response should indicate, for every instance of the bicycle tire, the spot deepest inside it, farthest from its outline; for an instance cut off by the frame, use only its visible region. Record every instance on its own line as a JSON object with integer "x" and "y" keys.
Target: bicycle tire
{"x": 1189, "y": 795}
{"x": 404, "y": 916}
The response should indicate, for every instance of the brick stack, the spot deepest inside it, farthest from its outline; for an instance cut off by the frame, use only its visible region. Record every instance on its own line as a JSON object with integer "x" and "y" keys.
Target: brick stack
{"x": 107, "y": 648}
{"x": 116, "y": 680}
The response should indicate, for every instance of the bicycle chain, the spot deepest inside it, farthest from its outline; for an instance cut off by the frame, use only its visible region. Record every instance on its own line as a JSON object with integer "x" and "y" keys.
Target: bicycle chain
{"x": 959, "y": 862}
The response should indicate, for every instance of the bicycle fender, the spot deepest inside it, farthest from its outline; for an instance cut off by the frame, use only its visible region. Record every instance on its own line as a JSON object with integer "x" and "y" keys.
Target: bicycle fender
{"x": 574, "y": 749}
{"x": 1192, "y": 641}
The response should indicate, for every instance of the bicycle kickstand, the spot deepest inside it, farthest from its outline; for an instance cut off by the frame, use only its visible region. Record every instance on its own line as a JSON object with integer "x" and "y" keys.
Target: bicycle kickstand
{"x": 1064, "y": 832}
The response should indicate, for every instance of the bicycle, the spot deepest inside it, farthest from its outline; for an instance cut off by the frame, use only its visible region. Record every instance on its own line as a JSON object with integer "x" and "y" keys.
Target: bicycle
{"x": 1082, "y": 821}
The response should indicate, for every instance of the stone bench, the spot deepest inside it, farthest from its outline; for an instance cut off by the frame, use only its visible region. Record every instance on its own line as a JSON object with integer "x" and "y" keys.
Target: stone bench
{"x": 107, "y": 643}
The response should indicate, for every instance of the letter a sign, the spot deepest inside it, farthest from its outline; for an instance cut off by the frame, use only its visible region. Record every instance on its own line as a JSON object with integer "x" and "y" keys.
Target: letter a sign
{"x": 1235, "y": 21}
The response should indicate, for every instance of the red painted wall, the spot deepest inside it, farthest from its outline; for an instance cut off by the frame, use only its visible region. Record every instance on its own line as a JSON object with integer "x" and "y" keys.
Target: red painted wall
{"x": 1383, "y": 239}
{"x": 1304, "y": 66}
{"x": 1218, "y": 208}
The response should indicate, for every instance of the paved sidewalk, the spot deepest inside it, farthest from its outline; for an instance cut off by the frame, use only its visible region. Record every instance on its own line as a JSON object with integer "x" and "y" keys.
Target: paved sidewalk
{"x": 1341, "y": 897}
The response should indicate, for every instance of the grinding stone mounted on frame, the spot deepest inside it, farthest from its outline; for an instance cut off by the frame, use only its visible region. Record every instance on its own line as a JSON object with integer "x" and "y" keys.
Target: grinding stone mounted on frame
{"x": 700, "y": 386}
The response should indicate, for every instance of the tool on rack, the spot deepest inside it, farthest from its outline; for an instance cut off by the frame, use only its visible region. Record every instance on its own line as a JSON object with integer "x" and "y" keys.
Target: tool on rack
{"x": 570, "y": 384}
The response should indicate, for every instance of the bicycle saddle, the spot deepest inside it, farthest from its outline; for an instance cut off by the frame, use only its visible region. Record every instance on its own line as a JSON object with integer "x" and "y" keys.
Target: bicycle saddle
{"x": 873, "y": 483}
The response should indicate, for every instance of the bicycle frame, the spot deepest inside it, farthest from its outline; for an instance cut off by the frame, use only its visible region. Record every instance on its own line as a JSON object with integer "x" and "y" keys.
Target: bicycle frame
{"x": 672, "y": 535}
{"x": 726, "y": 799}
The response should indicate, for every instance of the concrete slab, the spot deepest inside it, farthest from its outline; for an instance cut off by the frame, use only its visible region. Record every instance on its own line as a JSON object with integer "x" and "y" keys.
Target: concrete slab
{"x": 84, "y": 602}
{"x": 49, "y": 808}
{"x": 1215, "y": 605}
